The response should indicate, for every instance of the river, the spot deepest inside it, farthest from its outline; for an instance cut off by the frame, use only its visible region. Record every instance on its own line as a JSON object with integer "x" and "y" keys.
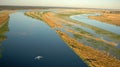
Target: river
{"x": 28, "y": 38}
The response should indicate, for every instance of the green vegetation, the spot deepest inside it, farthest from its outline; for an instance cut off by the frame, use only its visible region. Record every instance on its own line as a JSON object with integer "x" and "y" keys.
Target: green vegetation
{"x": 82, "y": 31}
{"x": 91, "y": 56}
{"x": 3, "y": 29}
{"x": 97, "y": 30}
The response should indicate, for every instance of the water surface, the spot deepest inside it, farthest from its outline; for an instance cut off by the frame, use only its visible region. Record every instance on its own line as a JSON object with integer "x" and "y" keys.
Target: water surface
{"x": 28, "y": 38}
{"x": 112, "y": 34}
{"x": 84, "y": 18}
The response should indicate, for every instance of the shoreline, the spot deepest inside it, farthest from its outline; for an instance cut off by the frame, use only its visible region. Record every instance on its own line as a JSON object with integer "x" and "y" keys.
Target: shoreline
{"x": 91, "y": 56}
{"x": 3, "y": 18}
{"x": 109, "y": 18}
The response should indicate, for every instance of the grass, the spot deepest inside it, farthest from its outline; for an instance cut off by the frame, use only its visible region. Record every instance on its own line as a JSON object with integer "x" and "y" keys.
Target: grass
{"x": 4, "y": 16}
{"x": 108, "y": 18}
{"x": 3, "y": 30}
{"x": 91, "y": 56}
{"x": 83, "y": 32}
{"x": 47, "y": 17}
{"x": 97, "y": 30}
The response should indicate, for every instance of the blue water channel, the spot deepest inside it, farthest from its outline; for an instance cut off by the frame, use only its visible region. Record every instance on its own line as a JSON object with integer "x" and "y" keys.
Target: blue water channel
{"x": 84, "y": 19}
{"x": 28, "y": 38}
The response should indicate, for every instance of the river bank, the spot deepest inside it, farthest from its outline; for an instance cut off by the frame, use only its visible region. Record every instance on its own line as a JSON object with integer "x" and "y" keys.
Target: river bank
{"x": 110, "y": 18}
{"x": 28, "y": 38}
{"x": 4, "y": 16}
{"x": 91, "y": 56}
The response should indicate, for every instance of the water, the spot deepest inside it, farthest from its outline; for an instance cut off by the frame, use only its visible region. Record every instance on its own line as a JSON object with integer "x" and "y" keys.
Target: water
{"x": 84, "y": 18}
{"x": 28, "y": 38}
{"x": 114, "y": 37}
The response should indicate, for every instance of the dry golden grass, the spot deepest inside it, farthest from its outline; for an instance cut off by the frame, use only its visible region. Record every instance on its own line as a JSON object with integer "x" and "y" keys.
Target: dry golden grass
{"x": 48, "y": 17}
{"x": 3, "y": 17}
{"x": 92, "y": 57}
{"x": 53, "y": 19}
{"x": 72, "y": 11}
{"x": 108, "y": 18}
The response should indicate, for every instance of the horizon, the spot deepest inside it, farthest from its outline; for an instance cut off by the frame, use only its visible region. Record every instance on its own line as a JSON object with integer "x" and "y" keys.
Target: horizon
{"x": 57, "y": 7}
{"x": 102, "y": 4}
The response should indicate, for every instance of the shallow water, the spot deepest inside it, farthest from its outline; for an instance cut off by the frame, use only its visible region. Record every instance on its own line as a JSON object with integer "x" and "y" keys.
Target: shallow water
{"x": 28, "y": 38}
{"x": 101, "y": 26}
{"x": 84, "y": 19}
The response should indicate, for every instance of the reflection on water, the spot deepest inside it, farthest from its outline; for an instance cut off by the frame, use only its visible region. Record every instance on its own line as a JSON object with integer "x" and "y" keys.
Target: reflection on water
{"x": 3, "y": 30}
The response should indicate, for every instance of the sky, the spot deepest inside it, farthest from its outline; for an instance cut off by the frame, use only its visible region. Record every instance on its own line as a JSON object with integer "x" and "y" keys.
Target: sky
{"x": 110, "y": 4}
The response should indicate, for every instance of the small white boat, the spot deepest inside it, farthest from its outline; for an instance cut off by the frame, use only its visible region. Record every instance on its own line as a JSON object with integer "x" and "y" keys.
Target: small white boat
{"x": 38, "y": 57}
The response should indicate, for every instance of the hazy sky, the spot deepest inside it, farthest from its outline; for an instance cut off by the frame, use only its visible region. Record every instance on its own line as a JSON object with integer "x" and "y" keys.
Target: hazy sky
{"x": 114, "y": 4}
